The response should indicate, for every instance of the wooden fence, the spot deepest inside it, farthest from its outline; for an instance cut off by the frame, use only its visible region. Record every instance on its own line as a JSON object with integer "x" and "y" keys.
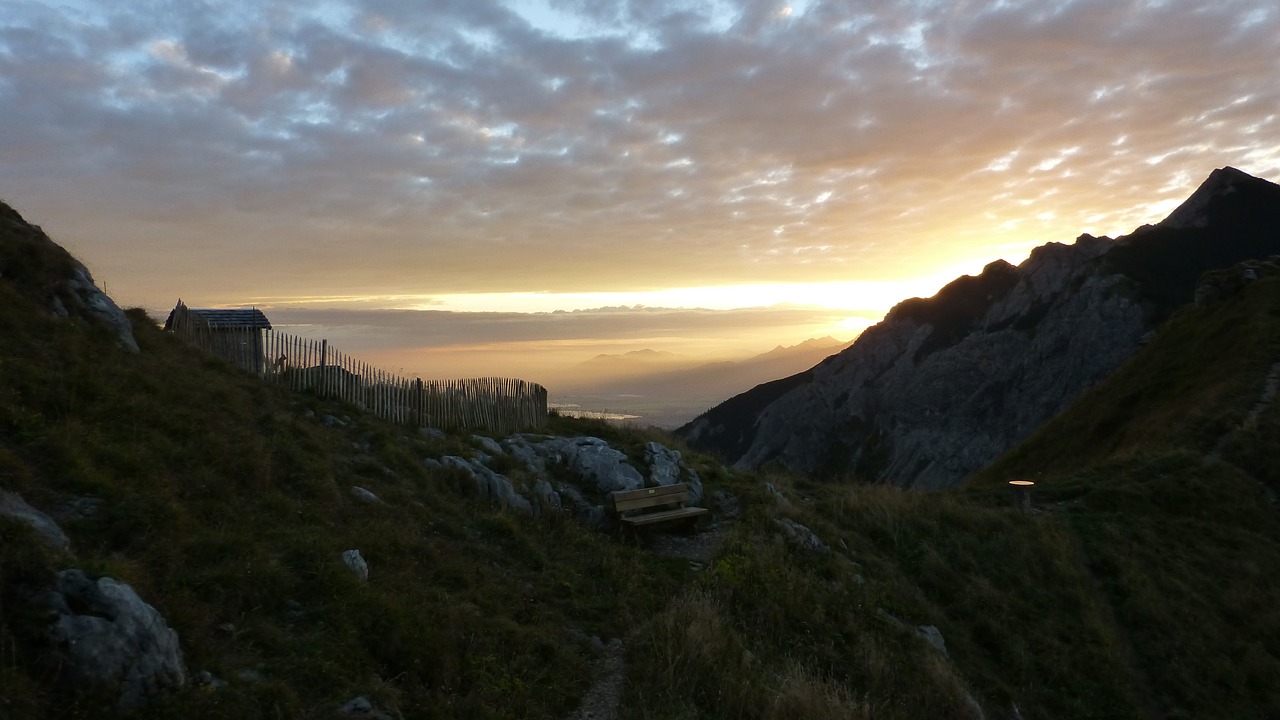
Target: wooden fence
{"x": 496, "y": 404}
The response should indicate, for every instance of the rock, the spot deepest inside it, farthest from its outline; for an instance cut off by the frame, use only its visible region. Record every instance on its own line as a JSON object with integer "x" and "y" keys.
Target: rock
{"x": 332, "y": 421}
{"x": 664, "y": 464}
{"x": 777, "y": 494}
{"x": 487, "y": 445}
{"x": 801, "y": 535}
{"x": 206, "y": 678}
{"x": 361, "y": 494}
{"x": 491, "y": 485}
{"x": 595, "y": 462}
{"x": 354, "y": 560}
{"x": 77, "y": 509}
{"x": 666, "y": 467}
{"x": 944, "y": 385}
{"x": 105, "y": 637}
{"x": 726, "y": 504}
{"x": 546, "y": 496}
{"x": 99, "y": 305}
{"x": 362, "y": 707}
{"x": 12, "y": 505}
{"x": 431, "y": 433}
{"x": 933, "y": 636}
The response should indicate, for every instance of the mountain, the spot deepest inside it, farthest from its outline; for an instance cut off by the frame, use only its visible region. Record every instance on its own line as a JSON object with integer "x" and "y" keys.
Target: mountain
{"x": 944, "y": 385}
{"x": 161, "y": 495}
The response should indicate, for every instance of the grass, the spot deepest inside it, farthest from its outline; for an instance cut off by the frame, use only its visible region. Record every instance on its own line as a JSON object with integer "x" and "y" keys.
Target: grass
{"x": 1144, "y": 584}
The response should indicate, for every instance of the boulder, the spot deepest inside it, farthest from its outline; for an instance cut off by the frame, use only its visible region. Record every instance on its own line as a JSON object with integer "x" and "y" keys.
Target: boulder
{"x": 363, "y": 495}
{"x": 491, "y": 485}
{"x": 802, "y": 536}
{"x": 104, "y": 637}
{"x": 12, "y": 505}
{"x": 354, "y": 560}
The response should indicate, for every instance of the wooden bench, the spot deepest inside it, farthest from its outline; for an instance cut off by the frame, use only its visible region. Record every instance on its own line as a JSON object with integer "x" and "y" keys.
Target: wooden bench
{"x": 630, "y": 505}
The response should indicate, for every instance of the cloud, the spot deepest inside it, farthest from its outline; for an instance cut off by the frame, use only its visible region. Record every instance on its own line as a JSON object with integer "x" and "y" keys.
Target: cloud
{"x": 380, "y": 147}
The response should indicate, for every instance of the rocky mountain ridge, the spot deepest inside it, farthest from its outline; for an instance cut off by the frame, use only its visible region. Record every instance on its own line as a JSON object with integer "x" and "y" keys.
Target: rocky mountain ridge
{"x": 944, "y": 385}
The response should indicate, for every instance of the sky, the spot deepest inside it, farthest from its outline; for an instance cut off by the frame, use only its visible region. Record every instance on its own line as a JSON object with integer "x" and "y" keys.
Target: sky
{"x": 463, "y": 187}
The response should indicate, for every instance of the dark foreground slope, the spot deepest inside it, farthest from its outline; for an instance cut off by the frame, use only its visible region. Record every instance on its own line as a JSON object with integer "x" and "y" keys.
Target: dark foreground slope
{"x": 944, "y": 385}
{"x": 1166, "y": 475}
{"x": 226, "y": 504}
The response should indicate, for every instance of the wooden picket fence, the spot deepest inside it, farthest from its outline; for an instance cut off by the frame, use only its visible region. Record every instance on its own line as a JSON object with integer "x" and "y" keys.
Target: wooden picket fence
{"x": 496, "y": 404}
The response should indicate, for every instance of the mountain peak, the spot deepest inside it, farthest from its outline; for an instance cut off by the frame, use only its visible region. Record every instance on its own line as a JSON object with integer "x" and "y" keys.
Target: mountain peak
{"x": 1194, "y": 211}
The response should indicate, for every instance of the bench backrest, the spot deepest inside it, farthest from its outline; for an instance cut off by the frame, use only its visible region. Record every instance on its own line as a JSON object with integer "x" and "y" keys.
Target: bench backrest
{"x": 625, "y": 500}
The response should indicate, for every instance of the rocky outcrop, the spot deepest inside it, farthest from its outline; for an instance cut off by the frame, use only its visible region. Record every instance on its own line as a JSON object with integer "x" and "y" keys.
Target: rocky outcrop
{"x": 13, "y": 506}
{"x": 48, "y": 275}
{"x": 575, "y": 474}
{"x": 104, "y": 637}
{"x": 944, "y": 385}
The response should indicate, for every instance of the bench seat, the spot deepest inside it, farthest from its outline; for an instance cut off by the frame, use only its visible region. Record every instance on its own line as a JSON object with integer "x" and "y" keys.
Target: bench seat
{"x": 631, "y": 505}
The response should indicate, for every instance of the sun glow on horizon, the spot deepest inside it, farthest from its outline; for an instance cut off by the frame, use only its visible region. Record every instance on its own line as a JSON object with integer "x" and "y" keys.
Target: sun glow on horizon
{"x": 860, "y": 296}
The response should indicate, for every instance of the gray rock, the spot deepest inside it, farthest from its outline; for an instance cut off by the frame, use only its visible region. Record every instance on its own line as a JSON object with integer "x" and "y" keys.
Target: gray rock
{"x": 206, "y": 678}
{"x": 105, "y": 637}
{"x": 491, "y": 485}
{"x": 777, "y": 494}
{"x": 77, "y": 509}
{"x": 363, "y": 495}
{"x": 99, "y": 305}
{"x": 937, "y": 391}
{"x": 487, "y": 444}
{"x": 362, "y": 707}
{"x": 726, "y": 504}
{"x": 331, "y": 421}
{"x": 801, "y": 535}
{"x": 666, "y": 467}
{"x": 546, "y": 496}
{"x": 932, "y": 635}
{"x": 354, "y": 560}
{"x": 595, "y": 462}
{"x": 431, "y": 433}
{"x": 664, "y": 464}
{"x": 12, "y": 505}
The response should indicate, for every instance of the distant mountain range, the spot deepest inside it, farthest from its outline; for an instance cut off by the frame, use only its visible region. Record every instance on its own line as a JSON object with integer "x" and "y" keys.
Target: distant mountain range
{"x": 668, "y": 389}
{"x": 944, "y": 385}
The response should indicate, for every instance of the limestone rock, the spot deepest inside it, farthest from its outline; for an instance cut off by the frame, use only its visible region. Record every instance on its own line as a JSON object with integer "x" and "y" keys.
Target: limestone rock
{"x": 363, "y": 495}
{"x": 932, "y": 635}
{"x": 362, "y": 707}
{"x": 802, "y": 536}
{"x": 12, "y": 505}
{"x": 944, "y": 385}
{"x": 99, "y": 305}
{"x": 491, "y": 485}
{"x": 105, "y": 637}
{"x": 354, "y": 560}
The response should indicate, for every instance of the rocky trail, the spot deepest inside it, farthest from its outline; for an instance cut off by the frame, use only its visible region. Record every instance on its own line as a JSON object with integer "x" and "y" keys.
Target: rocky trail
{"x": 610, "y": 669}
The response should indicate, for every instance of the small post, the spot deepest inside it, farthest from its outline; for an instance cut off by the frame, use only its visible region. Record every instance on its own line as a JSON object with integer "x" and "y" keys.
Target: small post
{"x": 1022, "y": 494}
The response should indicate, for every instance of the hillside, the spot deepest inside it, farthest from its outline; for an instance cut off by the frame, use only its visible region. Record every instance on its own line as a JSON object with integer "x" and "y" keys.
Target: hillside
{"x": 946, "y": 384}
{"x": 1141, "y": 587}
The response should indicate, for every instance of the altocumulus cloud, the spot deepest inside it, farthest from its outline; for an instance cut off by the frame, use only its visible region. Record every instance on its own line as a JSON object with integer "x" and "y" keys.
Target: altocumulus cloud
{"x": 216, "y": 149}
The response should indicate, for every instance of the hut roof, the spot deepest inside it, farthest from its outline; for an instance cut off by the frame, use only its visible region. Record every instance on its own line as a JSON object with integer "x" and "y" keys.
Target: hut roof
{"x": 248, "y": 318}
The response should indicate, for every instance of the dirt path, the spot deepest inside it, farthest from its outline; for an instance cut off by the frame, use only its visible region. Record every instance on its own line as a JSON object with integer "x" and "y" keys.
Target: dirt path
{"x": 602, "y": 700}
{"x": 610, "y": 670}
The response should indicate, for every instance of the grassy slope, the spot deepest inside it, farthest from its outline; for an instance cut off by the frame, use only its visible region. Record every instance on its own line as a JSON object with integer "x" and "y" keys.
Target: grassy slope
{"x": 1172, "y": 504}
{"x": 1145, "y": 590}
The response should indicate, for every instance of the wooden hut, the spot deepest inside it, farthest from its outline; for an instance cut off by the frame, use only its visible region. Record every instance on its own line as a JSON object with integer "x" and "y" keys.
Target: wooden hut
{"x": 234, "y": 334}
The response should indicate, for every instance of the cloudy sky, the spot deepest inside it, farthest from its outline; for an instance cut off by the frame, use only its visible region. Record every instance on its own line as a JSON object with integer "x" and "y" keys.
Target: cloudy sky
{"x": 373, "y": 167}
